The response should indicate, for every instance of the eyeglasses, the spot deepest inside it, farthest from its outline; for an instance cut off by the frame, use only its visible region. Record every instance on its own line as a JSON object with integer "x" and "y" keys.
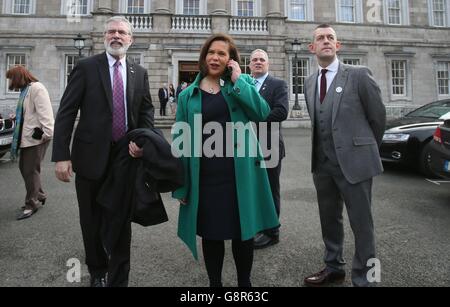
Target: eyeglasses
{"x": 121, "y": 32}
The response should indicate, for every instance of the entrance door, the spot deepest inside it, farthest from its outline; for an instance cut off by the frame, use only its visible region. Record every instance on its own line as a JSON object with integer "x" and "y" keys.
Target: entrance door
{"x": 187, "y": 72}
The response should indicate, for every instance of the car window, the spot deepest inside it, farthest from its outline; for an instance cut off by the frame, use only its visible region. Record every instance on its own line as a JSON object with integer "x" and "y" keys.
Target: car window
{"x": 432, "y": 110}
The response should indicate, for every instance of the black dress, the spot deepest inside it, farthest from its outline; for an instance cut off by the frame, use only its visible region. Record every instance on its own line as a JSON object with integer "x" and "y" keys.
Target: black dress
{"x": 218, "y": 212}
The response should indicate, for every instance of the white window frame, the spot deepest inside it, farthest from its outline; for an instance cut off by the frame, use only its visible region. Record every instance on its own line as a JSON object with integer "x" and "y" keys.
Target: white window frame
{"x": 404, "y": 13}
{"x": 123, "y": 7}
{"x": 446, "y": 14}
{"x": 90, "y": 7}
{"x": 309, "y": 10}
{"x": 358, "y": 12}
{"x": 7, "y": 67}
{"x": 179, "y": 7}
{"x": 256, "y": 8}
{"x": 437, "y": 62}
{"x": 8, "y": 6}
{"x": 350, "y": 58}
{"x": 309, "y": 60}
{"x": 245, "y": 63}
{"x": 65, "y": 70}
{"x": 408, "y": 80}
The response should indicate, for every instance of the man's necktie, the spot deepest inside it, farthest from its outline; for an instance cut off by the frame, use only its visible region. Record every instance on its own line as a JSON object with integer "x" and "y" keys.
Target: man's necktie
{"x": 118, "y": 128}
{"x": 323, "y": 85}
{"x": 257, "y": 85}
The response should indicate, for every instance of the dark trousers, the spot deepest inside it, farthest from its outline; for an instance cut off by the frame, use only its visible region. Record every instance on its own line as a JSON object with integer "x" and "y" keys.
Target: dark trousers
{"x": 162, "y": 110}
{"x": 333, "y": 190}
{"x": 91, "y": 219}
{"x": 30, "y": 168}
{"x": 274, "y": 180}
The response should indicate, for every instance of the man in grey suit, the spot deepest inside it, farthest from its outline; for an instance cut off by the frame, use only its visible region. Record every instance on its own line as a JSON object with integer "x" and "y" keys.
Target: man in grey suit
{"x": 348, "y": 121}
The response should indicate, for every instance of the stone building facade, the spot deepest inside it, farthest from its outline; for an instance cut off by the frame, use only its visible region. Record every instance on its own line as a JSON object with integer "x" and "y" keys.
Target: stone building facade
{"x": 404, "y": 42}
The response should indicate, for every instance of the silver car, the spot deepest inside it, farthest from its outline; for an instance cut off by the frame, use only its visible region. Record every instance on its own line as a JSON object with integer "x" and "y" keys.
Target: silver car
{"x": 6, "y": 134}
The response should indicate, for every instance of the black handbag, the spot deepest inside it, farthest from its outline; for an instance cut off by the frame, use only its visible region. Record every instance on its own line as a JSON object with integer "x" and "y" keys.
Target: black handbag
{"x": 37, "y": 133}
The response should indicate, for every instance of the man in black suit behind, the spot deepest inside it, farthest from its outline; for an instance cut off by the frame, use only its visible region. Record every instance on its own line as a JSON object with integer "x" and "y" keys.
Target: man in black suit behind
{"x": 113, "y": 97}
{"x": 163, "y": 95}
{"x": 275, "y": 93}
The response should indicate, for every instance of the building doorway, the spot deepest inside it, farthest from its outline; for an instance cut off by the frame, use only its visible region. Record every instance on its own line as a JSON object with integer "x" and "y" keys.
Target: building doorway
{"x": 187, "y": 72}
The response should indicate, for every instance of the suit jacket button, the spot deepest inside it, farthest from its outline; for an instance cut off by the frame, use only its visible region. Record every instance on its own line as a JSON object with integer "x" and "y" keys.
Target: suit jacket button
{"x": 258, "y": 163}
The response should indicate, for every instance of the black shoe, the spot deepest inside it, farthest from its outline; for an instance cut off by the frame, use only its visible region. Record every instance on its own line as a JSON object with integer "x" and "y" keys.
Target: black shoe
{"x": 263, "y": 240}
{"x": 98, "y": 282}
{"x": 323, "y": 278}
{"x": 24, "y": 215}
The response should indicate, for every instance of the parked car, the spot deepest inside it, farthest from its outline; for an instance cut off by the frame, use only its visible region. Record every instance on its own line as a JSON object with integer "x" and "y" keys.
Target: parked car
{"x": 6, "y": 134}
{"x": 440, "y": 150}
{"x": 407, "y": 139}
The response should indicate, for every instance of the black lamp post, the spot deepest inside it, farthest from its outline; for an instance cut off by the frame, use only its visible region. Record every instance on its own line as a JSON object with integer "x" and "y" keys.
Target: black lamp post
{"x": 296, "y": 47}
{"x": 78, "y": 43}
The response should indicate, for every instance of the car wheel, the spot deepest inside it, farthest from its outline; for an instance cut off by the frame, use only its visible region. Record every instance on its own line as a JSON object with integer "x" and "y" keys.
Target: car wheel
{"x": 424, "y": 162}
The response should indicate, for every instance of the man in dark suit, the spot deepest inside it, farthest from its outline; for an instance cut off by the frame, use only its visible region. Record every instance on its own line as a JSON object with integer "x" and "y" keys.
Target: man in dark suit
{"x": 163, "y": 95}
{"x": 348, "y": 121}
{"x": 112, "y": 95}
{"x": 275, "y": 93}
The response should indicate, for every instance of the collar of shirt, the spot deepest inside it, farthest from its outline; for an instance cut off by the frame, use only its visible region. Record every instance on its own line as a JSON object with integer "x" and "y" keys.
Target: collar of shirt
{"x": 112, "y": 60}
{"x": 331, "y": 73}
{"x": 261, "y": 81}
{"x": 333, "y": 67}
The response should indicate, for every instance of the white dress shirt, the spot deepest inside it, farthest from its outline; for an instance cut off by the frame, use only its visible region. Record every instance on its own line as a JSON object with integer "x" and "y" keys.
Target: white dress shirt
{"x": 260, "y": 81}
{"x": 331, "y": 74}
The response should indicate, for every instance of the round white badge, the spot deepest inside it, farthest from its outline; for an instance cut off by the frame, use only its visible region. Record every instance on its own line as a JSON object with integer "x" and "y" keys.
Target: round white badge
{"x": 339, "y": 90}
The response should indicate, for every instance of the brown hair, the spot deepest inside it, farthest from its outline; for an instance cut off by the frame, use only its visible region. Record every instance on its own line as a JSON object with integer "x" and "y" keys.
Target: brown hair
{"x": 234, "y": 53}
{"x": 20, "y": 77}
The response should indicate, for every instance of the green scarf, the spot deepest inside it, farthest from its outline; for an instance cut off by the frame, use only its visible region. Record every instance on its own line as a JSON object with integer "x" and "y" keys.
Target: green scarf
{"x": 15, "y": 146}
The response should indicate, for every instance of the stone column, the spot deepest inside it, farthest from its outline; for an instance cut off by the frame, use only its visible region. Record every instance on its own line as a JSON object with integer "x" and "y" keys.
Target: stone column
{"x": 161, "y": 6}
{"x": 219, "y": 16}
{"x": 273, "y": 8}
{"x": 218, "y": 7}
{"x": 105, "y": 6}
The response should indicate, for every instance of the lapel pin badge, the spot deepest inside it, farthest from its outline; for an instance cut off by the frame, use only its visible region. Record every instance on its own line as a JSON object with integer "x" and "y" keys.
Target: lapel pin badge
{"x": 339, "y": 90}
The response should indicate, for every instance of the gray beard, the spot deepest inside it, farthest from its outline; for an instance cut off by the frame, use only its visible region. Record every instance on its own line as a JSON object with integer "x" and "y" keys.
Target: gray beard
{"x": 117, "y": 52}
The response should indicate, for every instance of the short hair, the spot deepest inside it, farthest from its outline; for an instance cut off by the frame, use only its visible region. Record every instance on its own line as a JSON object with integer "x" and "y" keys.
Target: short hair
{"x": 234, "y": 53}
{"x": 119, "y": 19}
{"x": 259, "y": 50}
{"x": 323, "y": 26}
{"x": 20, "y": 77}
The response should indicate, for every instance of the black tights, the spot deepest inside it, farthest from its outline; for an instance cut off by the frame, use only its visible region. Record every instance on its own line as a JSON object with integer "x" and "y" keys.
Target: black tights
{"x": 213, "y": 253}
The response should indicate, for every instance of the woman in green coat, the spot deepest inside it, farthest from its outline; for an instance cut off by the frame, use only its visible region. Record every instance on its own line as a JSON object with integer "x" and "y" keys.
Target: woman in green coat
{"x": 226, "y": 195}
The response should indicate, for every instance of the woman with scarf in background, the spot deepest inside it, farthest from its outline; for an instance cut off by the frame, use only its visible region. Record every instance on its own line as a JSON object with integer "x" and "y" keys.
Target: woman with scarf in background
{"x": 33, "y": 131}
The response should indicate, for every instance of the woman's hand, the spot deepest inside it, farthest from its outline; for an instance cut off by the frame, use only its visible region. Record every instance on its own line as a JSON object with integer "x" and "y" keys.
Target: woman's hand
{"x": 236, "y": 70}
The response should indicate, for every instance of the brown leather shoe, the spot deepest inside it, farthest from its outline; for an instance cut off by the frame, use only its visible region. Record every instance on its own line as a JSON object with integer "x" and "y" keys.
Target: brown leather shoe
{"x": 323, "y": 278}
